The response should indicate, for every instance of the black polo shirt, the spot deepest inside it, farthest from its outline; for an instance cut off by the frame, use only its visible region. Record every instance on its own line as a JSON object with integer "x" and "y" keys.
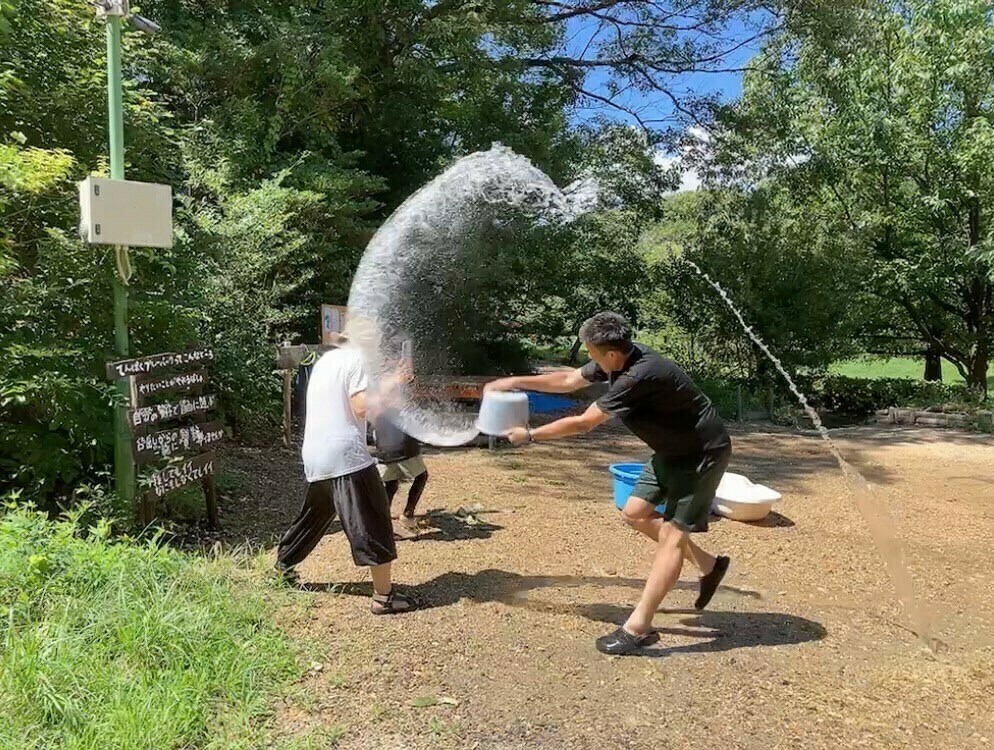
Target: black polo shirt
{"x": 392, "y": 443}
{"x": 658, "y": 401}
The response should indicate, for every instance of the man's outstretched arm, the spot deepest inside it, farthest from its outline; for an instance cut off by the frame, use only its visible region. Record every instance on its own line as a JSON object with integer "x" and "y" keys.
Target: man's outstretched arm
{"x": 562, "y": 381}
{"x": 561, "y": 428}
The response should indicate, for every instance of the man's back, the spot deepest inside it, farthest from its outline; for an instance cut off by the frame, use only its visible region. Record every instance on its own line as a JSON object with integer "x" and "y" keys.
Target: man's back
{"x": 334, "y": 439}
{"x": 392, "y": 443}
{"x": 660, "y": 403}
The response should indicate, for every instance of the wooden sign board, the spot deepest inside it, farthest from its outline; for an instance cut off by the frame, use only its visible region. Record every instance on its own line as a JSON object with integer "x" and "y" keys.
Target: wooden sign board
{"x": 174, "y": 477}
{"x": 157, "y": 375}
{"x": 333, "y": 320}
{"x": 146, "y": 418}
{"x": 167, "y": 443}
{"x": 147, "y": 365}
{"x": 153, "y": 386}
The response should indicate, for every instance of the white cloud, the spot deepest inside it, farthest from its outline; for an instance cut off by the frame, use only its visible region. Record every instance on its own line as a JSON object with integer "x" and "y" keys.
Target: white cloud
{"x": 699, "y": 134}
{"x": 689, "y": 179}
{"x": 697, "y": 144}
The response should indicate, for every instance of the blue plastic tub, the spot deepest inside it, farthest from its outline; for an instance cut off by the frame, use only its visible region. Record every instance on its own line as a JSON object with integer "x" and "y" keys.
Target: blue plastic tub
{"x": 546, "y": 403}
{"x": 625, "y": 476}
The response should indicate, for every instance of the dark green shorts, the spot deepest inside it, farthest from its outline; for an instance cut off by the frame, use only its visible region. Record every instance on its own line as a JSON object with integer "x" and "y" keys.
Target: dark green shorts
{"x": 686, "y": 491}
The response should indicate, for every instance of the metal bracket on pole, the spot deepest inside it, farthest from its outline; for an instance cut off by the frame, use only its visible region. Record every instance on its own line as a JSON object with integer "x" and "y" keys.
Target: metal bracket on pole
{"x": 107, "y": 8}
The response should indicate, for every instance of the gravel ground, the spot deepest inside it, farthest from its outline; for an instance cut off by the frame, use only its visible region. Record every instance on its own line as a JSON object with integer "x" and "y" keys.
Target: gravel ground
{"x": 806, "y": 646}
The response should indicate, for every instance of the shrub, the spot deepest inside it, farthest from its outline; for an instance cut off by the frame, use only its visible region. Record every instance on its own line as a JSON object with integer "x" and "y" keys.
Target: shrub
{"x": 109, "y": 643}
{"x": 862, "y": 396}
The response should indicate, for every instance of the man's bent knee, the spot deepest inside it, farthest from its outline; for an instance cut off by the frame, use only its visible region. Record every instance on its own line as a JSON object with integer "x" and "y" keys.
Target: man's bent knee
{"x": 674, "y": 536}
{"x": 637, "y": 511}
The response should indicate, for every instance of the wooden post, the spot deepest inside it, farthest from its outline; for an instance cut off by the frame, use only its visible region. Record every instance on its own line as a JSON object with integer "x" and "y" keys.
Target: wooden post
{"x": 210, "y": 495}
{"x": 287, "y": 403}
{"x": 738, "y": 403}
{"x": 771, "y": 402}
{"x": 148, "y": 508}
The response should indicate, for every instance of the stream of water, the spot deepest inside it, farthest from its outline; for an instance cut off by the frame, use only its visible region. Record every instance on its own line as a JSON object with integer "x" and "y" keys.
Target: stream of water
{"x": 870, "y": 505}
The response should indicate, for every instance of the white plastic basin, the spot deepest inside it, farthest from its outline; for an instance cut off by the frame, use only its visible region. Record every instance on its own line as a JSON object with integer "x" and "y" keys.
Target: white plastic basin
{"x": 740, "y": 499}
{"x": 501, "y": 411}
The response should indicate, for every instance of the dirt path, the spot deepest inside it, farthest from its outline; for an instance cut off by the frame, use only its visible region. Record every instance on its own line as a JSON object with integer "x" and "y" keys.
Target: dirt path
{"x": 804, "y": 647}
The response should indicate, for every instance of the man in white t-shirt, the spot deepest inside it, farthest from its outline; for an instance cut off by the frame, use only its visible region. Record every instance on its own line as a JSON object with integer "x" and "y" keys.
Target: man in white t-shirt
{"x": 342, "y": 478}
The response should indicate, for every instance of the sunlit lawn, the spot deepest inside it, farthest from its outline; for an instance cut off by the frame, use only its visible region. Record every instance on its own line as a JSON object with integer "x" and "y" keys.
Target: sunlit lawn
{"x": 898, "y": 367}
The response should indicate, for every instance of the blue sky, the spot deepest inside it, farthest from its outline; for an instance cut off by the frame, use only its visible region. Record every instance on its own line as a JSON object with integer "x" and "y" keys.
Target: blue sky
{"x": 654, "y": 105}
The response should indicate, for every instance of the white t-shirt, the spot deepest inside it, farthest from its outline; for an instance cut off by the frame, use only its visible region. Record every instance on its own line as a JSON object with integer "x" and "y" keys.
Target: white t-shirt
{"x": 334, "y": 439}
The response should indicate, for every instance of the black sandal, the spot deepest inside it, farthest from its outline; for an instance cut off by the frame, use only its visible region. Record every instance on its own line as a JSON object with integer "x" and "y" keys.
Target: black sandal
{"x": 623, "y": 643}
{"x": 709, "y": 583}
{"x": 394, "y": 603}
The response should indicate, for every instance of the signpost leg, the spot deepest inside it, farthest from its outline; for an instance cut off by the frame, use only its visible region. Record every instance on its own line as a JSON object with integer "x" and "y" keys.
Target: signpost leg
{"x": 287, "y": 403}
{"x": 148, "y": 508}
{"x": 210, "y": 495}
{"x": 124, "y": 467}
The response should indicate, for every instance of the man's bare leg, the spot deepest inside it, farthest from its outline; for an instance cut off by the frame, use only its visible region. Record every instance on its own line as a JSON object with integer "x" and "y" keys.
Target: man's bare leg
{"x": 664, "y": 574}
{"x": 381, "y": 578}
{"x": 702, "y": 559}
{"x": 641, "y": 515}
{"x": 387, "y": 600}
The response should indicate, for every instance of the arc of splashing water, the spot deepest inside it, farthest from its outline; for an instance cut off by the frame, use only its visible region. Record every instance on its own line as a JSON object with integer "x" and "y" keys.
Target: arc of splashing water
{"x": 876, "y": 513}
{"x": 429, "y": 230}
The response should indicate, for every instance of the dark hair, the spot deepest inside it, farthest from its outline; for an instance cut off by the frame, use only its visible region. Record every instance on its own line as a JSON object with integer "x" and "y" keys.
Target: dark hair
{"x": 608, "y": 330}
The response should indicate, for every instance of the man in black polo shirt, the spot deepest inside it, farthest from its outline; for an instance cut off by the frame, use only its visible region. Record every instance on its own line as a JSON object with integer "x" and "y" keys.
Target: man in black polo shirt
{"x": 399, "y": 459}
{"x": 658, "y": 402}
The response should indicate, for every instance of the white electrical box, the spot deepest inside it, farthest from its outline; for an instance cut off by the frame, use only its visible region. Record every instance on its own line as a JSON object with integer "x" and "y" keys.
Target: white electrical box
{"x": 121, "y": 212}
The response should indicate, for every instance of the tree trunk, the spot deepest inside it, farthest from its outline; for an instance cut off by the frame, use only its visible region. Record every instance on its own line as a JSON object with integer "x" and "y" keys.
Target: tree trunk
{"x": 933, "y": 365}
{"x": 979, "y": 362}
{"x": 574, "y": 351}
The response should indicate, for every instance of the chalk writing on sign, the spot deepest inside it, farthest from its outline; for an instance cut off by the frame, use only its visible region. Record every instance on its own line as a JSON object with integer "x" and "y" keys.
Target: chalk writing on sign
{"x": 169, "y": 383}
{"x": 149, "y": 416}
{"x": 146, "y": 365}
{"x": 170, "y": 442}
{"x": 173, "y": 477}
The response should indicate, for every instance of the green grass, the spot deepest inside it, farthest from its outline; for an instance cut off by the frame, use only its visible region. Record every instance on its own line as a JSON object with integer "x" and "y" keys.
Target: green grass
{"x": 123, "y": 644}
{"x": 905, "y": 368}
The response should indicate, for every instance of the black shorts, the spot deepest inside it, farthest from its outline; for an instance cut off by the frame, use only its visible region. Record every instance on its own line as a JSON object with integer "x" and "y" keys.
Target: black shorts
{"x": 360, "y": 501}
{"x": 685, "y": 490}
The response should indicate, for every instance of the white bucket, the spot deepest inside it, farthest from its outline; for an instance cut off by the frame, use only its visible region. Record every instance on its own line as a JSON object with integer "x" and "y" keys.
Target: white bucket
{"x": 501, "y": 411}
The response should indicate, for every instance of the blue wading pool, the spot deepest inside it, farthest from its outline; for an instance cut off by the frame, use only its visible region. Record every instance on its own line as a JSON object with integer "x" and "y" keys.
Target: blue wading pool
{"x": 625, "y": 476}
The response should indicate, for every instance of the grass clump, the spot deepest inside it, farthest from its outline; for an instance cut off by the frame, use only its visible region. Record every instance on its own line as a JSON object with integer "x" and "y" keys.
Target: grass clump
{"x": 114, "y": 643}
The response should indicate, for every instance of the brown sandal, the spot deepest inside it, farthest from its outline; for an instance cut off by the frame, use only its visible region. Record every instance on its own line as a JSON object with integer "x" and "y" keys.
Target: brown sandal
{"x": 394, "y": 603}
{"x": 406, "y": 529}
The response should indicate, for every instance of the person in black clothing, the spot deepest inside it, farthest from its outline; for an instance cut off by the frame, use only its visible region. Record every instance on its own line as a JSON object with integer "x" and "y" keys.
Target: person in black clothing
{"x": 657, "y": 401}
{"x": 399, "y": 458}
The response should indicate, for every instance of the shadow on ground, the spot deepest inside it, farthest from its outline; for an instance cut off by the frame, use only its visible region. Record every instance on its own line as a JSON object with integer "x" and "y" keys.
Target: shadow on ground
{"x": 717, "y": 631}
{"x": 442, "y": 526}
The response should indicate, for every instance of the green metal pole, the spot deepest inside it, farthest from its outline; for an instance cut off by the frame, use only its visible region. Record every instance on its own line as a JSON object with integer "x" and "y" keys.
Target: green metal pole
{"x": 124, "y": 467}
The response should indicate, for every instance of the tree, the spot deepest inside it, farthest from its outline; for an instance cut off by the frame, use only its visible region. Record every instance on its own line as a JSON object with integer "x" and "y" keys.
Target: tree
{"x": 55, "y": 294}
{"x": 783, "y": 268}
{"x": 887, "y": 123}
{"x": 288, "y": 130}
